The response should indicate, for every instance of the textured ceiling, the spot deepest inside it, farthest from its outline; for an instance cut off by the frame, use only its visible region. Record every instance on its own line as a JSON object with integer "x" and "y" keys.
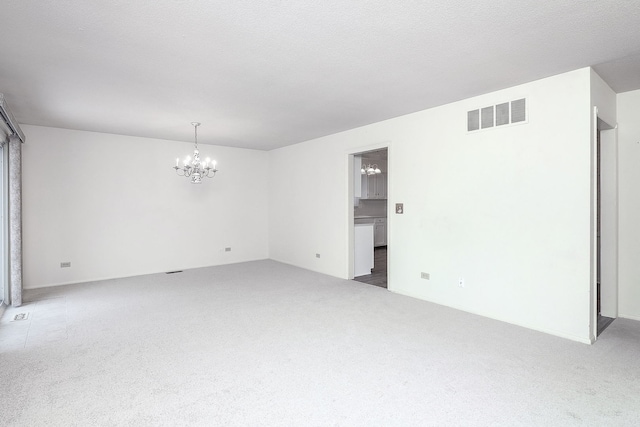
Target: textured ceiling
{"x": 269, "y": 74}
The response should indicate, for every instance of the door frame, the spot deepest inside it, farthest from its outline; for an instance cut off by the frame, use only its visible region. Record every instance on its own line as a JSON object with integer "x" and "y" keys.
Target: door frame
{"x": 350, "y": 155}
{"x": 607, "y": 269}
{"x": 4, "y": 225}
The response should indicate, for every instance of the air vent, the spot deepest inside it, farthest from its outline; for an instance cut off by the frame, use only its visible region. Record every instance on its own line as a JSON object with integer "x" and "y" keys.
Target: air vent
{"x": 518, "y": 110}
{"x": 473, "y": 120}
{"x": 497, "y": 115}
{"x": 487, "y": 117}
{"x": 502, "y": 114}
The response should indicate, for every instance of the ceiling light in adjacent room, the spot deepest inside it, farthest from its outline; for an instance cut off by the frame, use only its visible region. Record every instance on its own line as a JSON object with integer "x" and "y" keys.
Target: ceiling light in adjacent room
{"x": 370, "y": 170}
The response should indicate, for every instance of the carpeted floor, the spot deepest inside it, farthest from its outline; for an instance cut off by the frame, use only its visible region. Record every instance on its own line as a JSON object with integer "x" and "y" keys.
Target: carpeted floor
{"x": 267, "y": 344}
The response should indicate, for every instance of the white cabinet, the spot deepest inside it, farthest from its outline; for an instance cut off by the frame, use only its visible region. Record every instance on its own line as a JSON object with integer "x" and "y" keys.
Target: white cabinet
{"x": 363, "y": 247}
{"x": 381, "y": 186}
{"x": 378, "y": 229}
{"x": 380, "y": 232}
{"x": 374, "y": 186}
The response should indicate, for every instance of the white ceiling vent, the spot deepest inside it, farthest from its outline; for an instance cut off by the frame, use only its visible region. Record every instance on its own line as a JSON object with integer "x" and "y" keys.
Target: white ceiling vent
{"x": 502, "y": 114}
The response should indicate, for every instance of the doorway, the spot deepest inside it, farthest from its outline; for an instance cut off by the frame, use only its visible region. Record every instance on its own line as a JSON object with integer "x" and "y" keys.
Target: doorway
{"x": 606, "y": 226}
{"x": 4, "y": 225}
{"x": 370, "y": 221}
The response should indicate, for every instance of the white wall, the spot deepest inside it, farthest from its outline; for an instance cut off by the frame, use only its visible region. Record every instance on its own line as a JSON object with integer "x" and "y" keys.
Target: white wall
{"x": 508, "y": 209}
{"x": 113, "y": 206}
{"x": 629, "y": 204}
{"x": 603, "y": 97}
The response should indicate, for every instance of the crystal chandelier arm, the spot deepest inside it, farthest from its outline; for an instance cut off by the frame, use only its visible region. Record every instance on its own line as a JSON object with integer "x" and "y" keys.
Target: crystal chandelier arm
{"x": 184, "y": 171}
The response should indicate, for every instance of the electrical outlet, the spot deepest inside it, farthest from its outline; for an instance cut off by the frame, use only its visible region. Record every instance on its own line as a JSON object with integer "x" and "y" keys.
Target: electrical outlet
{"x": 65, "y": 264}
{"x": 424, "y": 275}
{"x": 317, "y": 255}
{"x": 461, "y": 282}
{"x": 227, "y": 249}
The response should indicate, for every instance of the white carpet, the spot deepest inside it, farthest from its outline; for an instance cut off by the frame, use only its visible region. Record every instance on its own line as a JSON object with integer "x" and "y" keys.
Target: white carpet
{"x": 267, "y": 344}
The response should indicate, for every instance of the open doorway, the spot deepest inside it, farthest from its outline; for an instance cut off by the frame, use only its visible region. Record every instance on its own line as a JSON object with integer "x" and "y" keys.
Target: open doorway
{"x": 370, "y": 193}
{"x": 4, "y": 284}
{"x": 606, "y": 255}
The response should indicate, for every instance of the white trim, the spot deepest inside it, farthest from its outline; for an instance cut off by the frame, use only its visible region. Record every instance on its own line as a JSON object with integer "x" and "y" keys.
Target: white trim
{"x": 595, "y": 170}
{"x": 629, "y": 316}
{"x": 100, "y": 279}
{"x": 609, "y": 211}
{"x": 593, "y": 240}
{"x": 4, "y": 223}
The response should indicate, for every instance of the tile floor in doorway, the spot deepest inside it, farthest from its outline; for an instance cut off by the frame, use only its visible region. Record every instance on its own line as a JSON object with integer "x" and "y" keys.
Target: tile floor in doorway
{"x": 378, "y": 276}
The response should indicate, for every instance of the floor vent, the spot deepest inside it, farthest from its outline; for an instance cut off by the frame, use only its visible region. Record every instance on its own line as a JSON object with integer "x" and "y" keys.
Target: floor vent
{"x": 174, "y": 272}
{"x": 497, "y": 115}
{"x": 20, "y": 316}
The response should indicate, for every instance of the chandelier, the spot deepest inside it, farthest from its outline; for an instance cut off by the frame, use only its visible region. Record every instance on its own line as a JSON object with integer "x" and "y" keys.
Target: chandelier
{"x": 195, "y": 168}
{"x": 370, "y": 170}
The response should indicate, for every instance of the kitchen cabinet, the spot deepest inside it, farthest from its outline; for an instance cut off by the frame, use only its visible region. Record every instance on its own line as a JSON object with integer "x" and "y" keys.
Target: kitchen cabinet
{"x": 363, "y": 246}
{"x": 381, "y": 186}
{"x": 379, "y": 232}
{"x": 374, "y": 186}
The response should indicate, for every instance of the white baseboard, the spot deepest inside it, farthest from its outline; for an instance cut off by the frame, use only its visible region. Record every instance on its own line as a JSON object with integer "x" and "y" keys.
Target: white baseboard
{"x": 100, "y": 279}
{"x": 629, "y": 316}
